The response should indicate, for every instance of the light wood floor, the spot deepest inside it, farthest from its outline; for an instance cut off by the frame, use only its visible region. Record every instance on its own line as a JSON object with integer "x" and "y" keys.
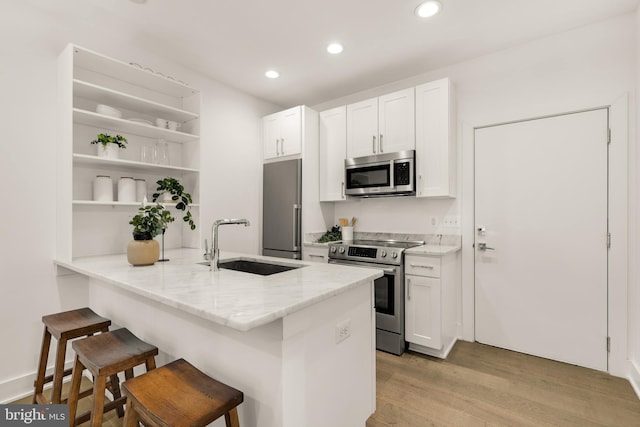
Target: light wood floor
{"x": 479, "y": 385}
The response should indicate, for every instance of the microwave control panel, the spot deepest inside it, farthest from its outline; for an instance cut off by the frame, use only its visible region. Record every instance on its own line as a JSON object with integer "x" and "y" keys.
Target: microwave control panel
{"x": 402, "y": 173}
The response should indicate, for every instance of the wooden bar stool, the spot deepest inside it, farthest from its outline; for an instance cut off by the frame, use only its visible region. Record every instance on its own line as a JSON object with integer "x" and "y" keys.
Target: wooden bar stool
{"x": 106, "y": 355}
{"x": 63, "y": 326}
{"x": 179, "y": 395}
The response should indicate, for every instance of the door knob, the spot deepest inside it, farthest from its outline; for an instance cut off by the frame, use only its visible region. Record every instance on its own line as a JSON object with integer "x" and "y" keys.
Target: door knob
{"x": 483, "y": 247}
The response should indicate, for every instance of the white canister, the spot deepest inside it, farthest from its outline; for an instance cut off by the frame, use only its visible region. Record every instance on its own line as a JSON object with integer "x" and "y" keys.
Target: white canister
{"x": 141, "y": 189}
{"x": 103, "y": 189}
{"x": 126, "y": 189}
{"x": 347, "y": 233}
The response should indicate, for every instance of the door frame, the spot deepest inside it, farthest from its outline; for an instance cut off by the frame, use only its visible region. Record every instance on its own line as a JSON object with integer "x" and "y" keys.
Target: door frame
{"x": 618, "y": 206}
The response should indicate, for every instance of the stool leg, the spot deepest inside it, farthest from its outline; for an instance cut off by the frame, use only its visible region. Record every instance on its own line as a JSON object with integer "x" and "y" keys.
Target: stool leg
{"x": 98, "y": 401}
{"x": 130, "y": 415}
{"x": 115, "y": 390}
{"x": 74, "y": 394}
{"x": 150, "y": 364}
{"x": 42, "y": 366}
{"x": 231, "y": 418}
{"x": 58, "y": 373}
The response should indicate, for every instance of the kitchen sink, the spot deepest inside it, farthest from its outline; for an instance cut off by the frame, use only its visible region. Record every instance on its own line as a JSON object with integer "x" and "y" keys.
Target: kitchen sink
{"x": 254, "y": 267}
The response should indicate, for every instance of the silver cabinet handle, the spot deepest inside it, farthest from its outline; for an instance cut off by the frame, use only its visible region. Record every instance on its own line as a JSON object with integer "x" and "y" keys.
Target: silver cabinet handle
{"x": 277, "y": 152}
{"x": 420, "y": 184}
{"x": 409, "y": 289}
{"x": 316, "y": 256}
{"x": 482, "y": 246}
{"x": 381, "y": 150}
{"x": 343, "y": 195}
{"x": 374, "y": 144}
{"x": 430, "y": 267}
{"x": 282, "y": 146}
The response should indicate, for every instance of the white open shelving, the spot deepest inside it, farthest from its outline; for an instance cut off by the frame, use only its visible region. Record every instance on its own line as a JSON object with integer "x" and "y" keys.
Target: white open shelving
{"x": 87, "y": 79}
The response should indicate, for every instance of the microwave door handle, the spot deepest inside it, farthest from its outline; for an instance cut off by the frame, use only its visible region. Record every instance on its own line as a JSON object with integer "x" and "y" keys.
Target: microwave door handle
{"x": 391, "y": 173}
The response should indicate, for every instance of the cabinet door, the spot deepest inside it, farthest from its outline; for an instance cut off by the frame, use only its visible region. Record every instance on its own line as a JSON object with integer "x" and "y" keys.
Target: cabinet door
{"x": 271, "y": 136}
{"x": 362, "y": 128}
{"x": 423, "y": 324}
{"x": 396, "y": 122}
{"x": 333, "y": 150}
{"x": 291, "y": 131}
{"x": 435, "y": 140}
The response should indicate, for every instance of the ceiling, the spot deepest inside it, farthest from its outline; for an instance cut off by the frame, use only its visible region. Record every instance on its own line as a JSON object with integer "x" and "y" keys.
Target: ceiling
{"x": 236, "y": 41}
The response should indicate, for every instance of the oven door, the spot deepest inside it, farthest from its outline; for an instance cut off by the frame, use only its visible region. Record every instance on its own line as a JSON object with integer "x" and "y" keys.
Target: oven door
{"x": 389, "y": 295}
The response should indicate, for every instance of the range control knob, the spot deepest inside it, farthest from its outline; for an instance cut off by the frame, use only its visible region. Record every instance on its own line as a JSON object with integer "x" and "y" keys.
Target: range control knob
{"x": 341, "y": 250}
{"x": 333, "y": 249}
{"x": 395, "y": 254}
{"x": 383, "y": 254}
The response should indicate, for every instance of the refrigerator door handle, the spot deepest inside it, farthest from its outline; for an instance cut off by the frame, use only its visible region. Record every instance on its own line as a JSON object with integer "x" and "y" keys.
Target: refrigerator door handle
{"x": 296, "y": 227}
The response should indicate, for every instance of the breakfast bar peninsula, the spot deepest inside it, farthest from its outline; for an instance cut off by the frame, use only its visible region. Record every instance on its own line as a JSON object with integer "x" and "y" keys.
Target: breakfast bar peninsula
{"x": 300, "y": 343}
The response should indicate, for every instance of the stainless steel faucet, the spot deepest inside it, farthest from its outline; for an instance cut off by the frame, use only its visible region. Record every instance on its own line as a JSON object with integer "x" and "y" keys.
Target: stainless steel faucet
{"x": 215, "y": 251}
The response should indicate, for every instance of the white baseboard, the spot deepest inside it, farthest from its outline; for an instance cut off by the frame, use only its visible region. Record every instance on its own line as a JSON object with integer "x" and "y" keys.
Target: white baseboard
{"x": 634, "y": 378}
{"x": 442, "y": 353}
{"x": 22, "y": 386}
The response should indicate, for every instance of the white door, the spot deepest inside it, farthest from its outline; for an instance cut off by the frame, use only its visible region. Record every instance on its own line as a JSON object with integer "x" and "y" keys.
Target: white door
{"x": 271, "y": 136}
{"x": 333, "y": 150}
{"x": 541, "y": 211}
{"x": 396, "y": 121}
{"x": 362, "y": 128}
{"x": 291, "y": 131}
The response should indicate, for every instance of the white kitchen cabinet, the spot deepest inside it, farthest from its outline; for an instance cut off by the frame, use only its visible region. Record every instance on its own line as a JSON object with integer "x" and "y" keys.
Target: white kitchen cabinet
{"x": 381, "y": 125}
{"x": 435, "y": 140}
{"x": 333, "y": 151}
{"x": 315, "y": 253}
{"x": 85, "y": 80}
{"x": 282, "y": 133}
{"x": 430, "y": 303}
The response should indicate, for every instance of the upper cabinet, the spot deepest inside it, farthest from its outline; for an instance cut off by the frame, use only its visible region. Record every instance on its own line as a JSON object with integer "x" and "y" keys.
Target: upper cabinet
{"x": 435, "y": 139}
{"x": 333, "y": 150}
{"x": 282, "y": 133}
{"x": 381, "y": 125}
{"x": 159, "y": 117}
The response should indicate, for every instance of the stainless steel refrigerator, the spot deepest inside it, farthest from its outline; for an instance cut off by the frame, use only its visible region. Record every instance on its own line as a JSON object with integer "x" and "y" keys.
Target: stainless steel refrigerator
{"x": 281, "y": 209}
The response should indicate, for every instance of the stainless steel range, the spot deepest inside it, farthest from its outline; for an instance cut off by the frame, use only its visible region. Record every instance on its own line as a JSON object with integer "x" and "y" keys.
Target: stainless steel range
{"x": 388, "y": 256}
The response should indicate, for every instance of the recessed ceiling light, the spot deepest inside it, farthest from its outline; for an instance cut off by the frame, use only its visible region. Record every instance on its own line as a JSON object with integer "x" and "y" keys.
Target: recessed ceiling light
{"x": 428, "y": 8}
{"x": 335, "y": 48}
{"x": 272, "y": 74}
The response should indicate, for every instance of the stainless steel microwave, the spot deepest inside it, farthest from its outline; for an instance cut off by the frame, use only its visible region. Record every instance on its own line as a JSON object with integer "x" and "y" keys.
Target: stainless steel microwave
{"x": 390, "y": 174}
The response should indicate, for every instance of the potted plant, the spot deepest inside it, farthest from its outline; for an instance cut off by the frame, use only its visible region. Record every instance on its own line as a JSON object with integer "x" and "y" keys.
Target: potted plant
{"x": 173, "y": 192}
{"x": 147, "y": 224}
{"x": 108, "y": 145}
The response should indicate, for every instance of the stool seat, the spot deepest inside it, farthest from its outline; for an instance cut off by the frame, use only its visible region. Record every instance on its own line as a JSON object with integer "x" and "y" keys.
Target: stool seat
{"x": 179, "y": 395}
{"x": 63, "y": 326}
{"x": 106, "y": 355}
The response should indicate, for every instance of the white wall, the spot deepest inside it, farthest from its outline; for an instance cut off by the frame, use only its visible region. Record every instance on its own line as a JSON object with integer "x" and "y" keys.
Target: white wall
{"x": 32, "y": 38}
{"x": 587, "y": 67}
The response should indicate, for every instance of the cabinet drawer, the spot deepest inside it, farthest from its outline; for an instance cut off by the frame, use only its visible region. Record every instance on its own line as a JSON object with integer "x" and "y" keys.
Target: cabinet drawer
{"x": 315, "y": 253}
{"x": 422, "y": 266}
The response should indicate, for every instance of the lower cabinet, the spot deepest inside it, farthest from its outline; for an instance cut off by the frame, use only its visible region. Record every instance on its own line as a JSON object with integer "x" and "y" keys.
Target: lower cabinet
{"x": 315, "y": 253}
{"x": 430, "y": 303}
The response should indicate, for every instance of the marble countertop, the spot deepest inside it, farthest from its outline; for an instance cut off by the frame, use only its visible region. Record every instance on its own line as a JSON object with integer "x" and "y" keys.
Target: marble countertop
{"x": 437, "y": 250}
{"x": 241, "y": 301}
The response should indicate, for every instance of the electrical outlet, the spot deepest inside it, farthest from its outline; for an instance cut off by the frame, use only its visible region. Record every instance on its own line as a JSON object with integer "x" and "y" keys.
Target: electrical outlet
{"x": 451, "y": 221}
{"x": 434, "y": 221}
{"x": 343, "y": 330}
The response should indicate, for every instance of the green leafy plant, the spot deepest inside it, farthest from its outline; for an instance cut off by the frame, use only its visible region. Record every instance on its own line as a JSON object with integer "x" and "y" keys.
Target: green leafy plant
{"x": 150, "y": 222}
{"x": 178, "y": 195}
{"x": 105, "y": 139}
{"x": 331, "y": 235}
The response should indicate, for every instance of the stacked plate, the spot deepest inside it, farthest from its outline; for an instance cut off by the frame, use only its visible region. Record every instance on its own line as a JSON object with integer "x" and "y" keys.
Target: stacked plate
{"x": 108, "y": 111}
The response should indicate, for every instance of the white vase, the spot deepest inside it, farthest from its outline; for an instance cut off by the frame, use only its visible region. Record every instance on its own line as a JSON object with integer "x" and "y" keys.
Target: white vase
{"x": 111, "y": 151}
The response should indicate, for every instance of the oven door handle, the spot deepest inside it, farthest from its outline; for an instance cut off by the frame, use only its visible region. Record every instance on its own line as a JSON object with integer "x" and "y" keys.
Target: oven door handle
{"x": 358, "y": 264}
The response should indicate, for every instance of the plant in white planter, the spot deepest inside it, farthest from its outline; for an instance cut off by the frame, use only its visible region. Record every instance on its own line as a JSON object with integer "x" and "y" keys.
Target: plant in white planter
{"x": 109, "y": 146}
{"x": 173, "y": 192}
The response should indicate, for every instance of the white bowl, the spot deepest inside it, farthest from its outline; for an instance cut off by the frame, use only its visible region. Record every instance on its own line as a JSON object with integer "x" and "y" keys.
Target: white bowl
{"x": 108, "y": 111}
